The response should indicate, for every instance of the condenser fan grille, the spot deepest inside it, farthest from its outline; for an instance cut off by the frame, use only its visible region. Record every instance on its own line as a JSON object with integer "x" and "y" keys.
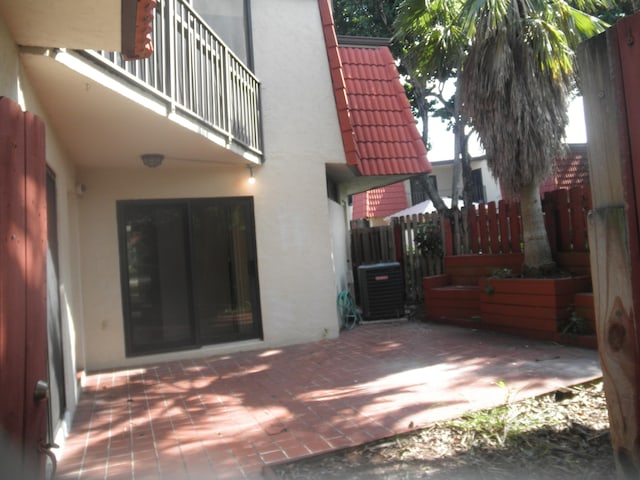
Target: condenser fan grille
{"x": 381, "y": 291}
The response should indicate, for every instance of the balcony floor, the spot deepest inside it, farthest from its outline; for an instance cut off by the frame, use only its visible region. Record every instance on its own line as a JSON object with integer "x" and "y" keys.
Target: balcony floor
{"x": 230, "y": 416}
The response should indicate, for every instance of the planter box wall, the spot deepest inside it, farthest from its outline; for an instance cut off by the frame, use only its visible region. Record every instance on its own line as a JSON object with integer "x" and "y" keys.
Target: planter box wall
{"x": 530, "y": 304}
{"x": 534, "y": 308}
{"x": 456, "y": 294}
{"x": 468, "y": 269}
{"x": 584, "y": 306}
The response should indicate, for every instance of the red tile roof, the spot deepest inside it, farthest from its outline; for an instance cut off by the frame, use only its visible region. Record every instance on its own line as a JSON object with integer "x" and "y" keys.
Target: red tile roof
{"x": 379, "y": 133}
{"x": 572, "y": 170}
{"x": 137, "y": 26}
{"x": 380, "y": 202}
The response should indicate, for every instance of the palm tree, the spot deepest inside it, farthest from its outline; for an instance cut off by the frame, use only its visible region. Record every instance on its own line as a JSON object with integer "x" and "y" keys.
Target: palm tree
{"x": 514, "y": 88}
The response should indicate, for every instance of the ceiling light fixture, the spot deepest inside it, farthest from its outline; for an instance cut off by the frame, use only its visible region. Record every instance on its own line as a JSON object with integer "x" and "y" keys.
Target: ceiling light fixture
{"x": 152, "y": 160}
{"x": 252, "y": 179}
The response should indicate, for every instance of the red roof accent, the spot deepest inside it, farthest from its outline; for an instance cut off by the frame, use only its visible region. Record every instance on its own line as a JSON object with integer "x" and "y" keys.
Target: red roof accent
{"x": 379, "y": 132}
{"x": 142, "y": 46}
{"x": 572, "y": 170}
{"x": 380, "y": 202}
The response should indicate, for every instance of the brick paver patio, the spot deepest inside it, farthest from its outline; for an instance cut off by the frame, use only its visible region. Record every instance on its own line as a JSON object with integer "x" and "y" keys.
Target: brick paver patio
{"x": 226, "y": 417}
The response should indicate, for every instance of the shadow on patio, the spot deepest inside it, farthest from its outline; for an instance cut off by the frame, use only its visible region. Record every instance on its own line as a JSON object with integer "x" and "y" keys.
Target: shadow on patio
{"x": 228, "y": 416}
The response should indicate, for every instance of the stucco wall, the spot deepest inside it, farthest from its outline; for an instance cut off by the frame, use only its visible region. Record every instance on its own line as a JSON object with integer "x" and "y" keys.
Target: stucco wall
{"x": 295, "y": 270}
{"x": 444, "y": 174}
{"x": 9, "y": 80}
{"x": 293, "y": 224}
{"x": 301, "y": 135}
{"x": 491, "y": 188}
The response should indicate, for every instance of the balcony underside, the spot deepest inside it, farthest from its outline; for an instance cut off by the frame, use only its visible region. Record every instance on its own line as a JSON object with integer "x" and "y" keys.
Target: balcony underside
{"x": 103, "y": 121}
{"x": 65, "y": 23}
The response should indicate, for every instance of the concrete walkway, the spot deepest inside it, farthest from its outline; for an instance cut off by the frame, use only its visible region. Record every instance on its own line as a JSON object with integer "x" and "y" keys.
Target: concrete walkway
{"x": 226, "y": 417}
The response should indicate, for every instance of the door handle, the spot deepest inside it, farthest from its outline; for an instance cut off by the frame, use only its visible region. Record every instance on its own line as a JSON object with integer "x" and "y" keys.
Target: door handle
{"x": 41, "y": 390}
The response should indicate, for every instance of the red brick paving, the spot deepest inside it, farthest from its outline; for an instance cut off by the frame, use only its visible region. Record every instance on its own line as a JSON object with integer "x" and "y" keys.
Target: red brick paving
{"x": 229, "y": 416}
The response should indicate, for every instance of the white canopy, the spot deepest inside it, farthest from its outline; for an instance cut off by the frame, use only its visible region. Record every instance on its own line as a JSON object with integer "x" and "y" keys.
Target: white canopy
{"x": 424, "y": 207}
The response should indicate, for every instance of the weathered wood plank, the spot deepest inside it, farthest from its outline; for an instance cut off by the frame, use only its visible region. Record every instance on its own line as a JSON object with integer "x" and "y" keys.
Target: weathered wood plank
{"x": 578, "y": 222}
{"x": 493, "y": 227}
{"x": 482, "y": 223}
{"x": 473, "y": 229}
{"x": 616, "y": 329}
{"x": 504, "y": 226}
{"x": 613, "y": 236}
{"x": 12, "y": 264}
{"x": 564, "y": 220}
{"x": 35, "y": 424}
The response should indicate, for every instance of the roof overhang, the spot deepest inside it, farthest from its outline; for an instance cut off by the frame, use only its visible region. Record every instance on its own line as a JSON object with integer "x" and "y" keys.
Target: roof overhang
{"x": 378, "y": 130}
{"x": 352, "y": 182}
{"x": 111, "y": 25}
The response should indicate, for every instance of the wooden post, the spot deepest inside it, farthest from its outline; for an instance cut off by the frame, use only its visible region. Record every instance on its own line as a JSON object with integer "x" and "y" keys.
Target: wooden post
{"x": 610, "y": 82}
{"x": 616, "y": 331}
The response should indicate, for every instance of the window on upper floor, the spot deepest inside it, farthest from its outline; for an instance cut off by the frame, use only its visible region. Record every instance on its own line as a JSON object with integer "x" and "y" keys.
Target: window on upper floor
{"x": 230, "y": 19}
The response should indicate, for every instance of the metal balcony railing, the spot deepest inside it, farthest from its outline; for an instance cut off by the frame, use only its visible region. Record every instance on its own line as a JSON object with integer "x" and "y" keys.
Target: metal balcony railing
{"x": 196, "y": 73}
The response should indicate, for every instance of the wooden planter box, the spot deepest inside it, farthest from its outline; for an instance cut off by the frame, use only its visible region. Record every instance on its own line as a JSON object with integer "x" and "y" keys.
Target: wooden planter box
{"x": 467, "y": 269}
{"x": 533, "y": 307}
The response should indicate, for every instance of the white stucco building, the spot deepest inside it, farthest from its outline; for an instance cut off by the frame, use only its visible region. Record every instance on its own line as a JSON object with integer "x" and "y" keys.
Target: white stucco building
{"x": 187, "y": 258}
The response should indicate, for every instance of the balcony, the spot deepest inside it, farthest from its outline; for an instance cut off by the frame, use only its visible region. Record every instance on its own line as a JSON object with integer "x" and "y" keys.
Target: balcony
{"x": 191, "y": 86}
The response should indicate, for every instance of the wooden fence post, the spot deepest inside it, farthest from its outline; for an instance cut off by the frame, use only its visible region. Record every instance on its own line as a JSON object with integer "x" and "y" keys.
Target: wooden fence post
{"x": 612, "y": 106}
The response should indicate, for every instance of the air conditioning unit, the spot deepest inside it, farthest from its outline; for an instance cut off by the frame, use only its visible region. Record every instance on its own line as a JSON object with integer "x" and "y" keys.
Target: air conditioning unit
{"x": 381, "y": 291}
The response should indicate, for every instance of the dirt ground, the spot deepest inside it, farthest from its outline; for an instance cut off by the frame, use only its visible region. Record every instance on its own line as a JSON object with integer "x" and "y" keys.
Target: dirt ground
{"x": 563, "y": 435}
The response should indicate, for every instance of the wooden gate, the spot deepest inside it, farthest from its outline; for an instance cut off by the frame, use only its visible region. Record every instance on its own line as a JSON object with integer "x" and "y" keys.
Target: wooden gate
{"x": 396, "y": 243}
{"x": 23, "y": 340}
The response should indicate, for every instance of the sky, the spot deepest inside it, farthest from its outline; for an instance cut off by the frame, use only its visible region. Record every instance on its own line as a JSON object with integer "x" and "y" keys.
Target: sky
{"x": 442, "y": 140}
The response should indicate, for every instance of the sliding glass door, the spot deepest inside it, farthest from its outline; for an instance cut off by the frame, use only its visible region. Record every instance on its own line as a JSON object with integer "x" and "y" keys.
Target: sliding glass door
{"x": 189, "y": 273}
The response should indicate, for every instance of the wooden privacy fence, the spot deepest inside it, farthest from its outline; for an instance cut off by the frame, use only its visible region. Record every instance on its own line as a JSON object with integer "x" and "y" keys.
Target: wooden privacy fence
{"x": 565, "y": 215}
{"x": 497, "y": 228}
{"x": 493, "y": 228}
{"x": 396, "y": 243}
{"x": 417, "y": 264}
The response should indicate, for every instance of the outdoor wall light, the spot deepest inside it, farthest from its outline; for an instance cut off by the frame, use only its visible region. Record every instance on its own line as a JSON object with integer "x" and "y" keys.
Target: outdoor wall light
{"x": 252, "y": 179}
{"x": 152, "y": 160}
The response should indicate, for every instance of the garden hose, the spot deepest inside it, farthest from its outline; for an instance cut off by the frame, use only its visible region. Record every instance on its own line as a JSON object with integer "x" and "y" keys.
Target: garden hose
{"x": 348, "y": 311}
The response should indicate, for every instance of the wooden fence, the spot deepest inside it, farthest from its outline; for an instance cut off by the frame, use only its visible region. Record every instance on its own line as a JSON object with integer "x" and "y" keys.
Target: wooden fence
{"x": 497, "y": 228}
{"x": 494, "y": 228}
{"x": 396, "y": 243}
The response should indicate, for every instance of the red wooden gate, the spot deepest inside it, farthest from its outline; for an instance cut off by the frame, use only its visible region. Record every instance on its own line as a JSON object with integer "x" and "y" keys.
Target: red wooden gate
{"x": 23, "y": 340}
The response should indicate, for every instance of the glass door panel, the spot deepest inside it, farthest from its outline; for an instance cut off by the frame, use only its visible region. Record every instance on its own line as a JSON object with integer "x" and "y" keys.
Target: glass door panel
{"x": 222, "y": 250}
{"x": 189, "y": 273}
{"x": 157, "y": 276}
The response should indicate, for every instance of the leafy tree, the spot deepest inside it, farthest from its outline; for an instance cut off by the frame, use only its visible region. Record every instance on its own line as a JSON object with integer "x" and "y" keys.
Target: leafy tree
{"x": 377, "y": 18}
{"x": 434, "y": 49}
{"x": 366, "y": 18}
{"x": 515, "y": 68}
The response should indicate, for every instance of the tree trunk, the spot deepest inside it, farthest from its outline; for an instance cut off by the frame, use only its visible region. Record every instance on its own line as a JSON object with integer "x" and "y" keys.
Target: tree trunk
{"x": 423, "y": 113}
{"x": 537, "y": 252}
{"x": 458, "y": 139}
{"x": 467, "y": 185}
{"x": 433, "y": 194}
